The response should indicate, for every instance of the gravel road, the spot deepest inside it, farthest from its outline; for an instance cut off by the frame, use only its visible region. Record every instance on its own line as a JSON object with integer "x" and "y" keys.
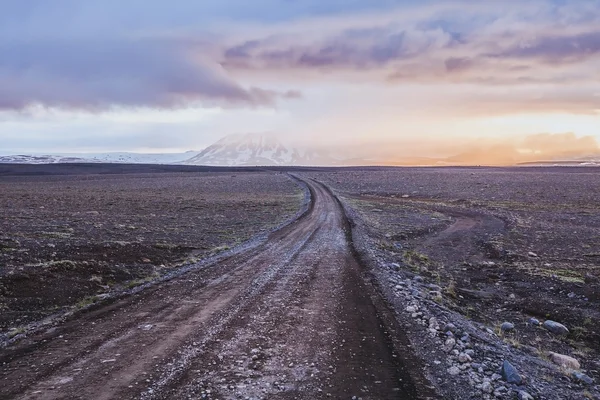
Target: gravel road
{"x": 293, "y": 318}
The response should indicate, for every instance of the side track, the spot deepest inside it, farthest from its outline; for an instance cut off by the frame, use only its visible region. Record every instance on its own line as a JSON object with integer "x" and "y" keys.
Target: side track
{"x": 290, "y": 319}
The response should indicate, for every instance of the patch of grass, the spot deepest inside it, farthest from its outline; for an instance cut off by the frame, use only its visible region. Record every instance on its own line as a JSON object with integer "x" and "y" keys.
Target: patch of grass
{"x": 61, "y": 264}
{"x": 450, "y": 289}
{"x": 511, "y": 340}
{"x": 565, "y": 275}
{"x": 15, "y": 331}
{"x": 141, "y": 281}
{"x": 86, "y": 301}
{"x": 55, "y": 235}
{"x": 5, "y": 248}
{"x": 579, "y": 332}
{"x": 220, "y": 249}
{"x": 165, "y": 246}
{"x": 416, "y": 261}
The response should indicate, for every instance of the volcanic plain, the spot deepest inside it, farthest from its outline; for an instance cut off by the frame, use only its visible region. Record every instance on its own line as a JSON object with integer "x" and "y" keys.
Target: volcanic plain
{"x": 156, "y": 282}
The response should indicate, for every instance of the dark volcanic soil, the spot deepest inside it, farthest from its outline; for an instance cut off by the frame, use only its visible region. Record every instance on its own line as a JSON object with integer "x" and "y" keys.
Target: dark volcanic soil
{"x": 396, "y": 290}
{"x": 70, "y": 234}
{"x": 289, "y": 319}
{"x": 494, "y": 245}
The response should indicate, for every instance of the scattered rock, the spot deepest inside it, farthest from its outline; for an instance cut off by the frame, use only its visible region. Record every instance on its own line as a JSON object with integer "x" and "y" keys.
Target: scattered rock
{"x": 534, "y": 322}
{"x": 450, "y": 327}
{"x": 449, "y": 345}
{"x": 532, "y": 254}
{"x": 507, "y": 327}
{"x": 510, "y": 373}
{"x": 556, "y": 328}
{"x": 486, "y": 387}
{"x": 582, "y": 378}
{"x": 564, "y": 361}
{"x": 464, "y": 358}
{"x": 522, "y": 395}
{"x": 433, "y": 323}
{"x": 454, "y": 370}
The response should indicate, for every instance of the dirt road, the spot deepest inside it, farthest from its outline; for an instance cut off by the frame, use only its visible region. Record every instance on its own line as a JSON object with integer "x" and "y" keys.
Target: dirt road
{"x": 290, "y": 319}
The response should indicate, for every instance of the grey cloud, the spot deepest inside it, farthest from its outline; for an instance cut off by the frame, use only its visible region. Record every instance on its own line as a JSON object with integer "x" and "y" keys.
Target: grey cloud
{"x": 566, "y": 48}
{"x": 457, "y": 64}
{"x": 353, "y": 48}
{"x": 96, "y": 74}
{"x": 479, "y": 47}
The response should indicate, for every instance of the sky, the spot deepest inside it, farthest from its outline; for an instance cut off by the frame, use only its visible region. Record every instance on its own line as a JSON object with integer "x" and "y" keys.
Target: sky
{"x": 411, "y": 77}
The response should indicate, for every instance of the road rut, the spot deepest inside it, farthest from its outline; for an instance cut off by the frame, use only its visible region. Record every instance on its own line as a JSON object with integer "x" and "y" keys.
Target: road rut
{"x": 293, "y": 318}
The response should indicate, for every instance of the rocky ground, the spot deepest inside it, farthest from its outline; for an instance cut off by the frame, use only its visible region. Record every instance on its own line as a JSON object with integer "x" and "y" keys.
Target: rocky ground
{"x": 493, "y": 272}
{"x": 286, "y": 317}
{"x": 70, "y": 237}
{"x": 454, "y": 283}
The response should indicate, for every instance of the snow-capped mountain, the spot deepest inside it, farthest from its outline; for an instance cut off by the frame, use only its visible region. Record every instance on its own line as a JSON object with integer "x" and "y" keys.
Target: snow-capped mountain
{"x": 258, "y": 149}
{"x": 41, "y": 159}
{"x": 120, "y": 158}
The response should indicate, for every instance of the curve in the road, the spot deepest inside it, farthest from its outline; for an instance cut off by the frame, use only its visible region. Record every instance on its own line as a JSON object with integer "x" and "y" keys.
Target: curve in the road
{"x": 290, "y": 319}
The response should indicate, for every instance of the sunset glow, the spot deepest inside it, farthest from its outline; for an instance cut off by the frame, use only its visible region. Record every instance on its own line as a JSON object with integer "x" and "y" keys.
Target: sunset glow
{"x": 108, "y": 76}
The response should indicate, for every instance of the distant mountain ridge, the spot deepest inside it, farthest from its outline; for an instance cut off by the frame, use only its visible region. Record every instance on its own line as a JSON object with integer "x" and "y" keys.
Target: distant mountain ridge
{"x": 117, "y": 158}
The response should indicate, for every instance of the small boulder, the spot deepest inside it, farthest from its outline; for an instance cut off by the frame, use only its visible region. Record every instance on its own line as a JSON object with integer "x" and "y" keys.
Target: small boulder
{"x": 556, "y": 328}
{"x": 564, "y": 361}
{"x": 582, "y": 378}
{"x": 510, "y": 373}
{"x": 532, "y": 254}
{"x": 450, "y": 327}
{"x": 464, "y": 358}
{"x": 487, "y": 387}
{"x": 454, "y": 370}
{"x": 534, "y": 322}
{"x": 449, "y": 345}
{"x": 507, "y": 327}
{"x": 522, "y": 395}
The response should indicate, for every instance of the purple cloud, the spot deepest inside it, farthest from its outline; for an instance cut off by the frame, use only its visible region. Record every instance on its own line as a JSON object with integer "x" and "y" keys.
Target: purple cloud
{"x": 351, "y": 49}
{"x": 99, "y": 74}
{"x": 556, "y": 48}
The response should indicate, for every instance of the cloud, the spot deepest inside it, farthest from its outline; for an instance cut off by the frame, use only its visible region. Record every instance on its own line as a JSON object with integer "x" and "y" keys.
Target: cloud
{"x": 530, "y": 148}
{"x": 98, "y": 74}
{"x": 349, "y": 49}
{"x": 566, "y": 48}
{"x": 540, "y": 42}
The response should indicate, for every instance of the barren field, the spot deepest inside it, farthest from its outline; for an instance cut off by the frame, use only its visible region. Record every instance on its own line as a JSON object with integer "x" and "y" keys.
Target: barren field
{"x": 493, "y": 246}
{"x": 66, "y": 240}
{"x": 286, "y": 317}
{"x": 391, "y": 283}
